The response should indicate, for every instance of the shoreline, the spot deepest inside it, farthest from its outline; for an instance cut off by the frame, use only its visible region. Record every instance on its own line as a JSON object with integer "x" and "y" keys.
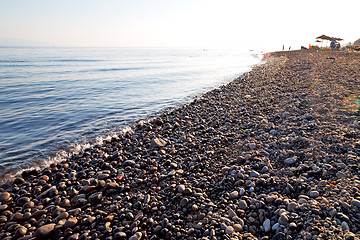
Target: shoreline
{"x": 274, "y": 154}
{"x": 146, "y": 87}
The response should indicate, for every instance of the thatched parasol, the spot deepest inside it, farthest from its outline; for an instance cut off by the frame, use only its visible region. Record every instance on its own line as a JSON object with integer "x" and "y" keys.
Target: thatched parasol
{"x": 324, "y": 37}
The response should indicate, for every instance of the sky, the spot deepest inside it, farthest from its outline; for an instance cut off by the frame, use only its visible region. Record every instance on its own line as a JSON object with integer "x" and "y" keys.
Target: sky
{"x": 246, "y": 24}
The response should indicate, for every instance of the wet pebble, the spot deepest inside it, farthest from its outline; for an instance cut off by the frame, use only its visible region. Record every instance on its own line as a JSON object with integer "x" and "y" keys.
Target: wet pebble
{"x": 44, "y": 232}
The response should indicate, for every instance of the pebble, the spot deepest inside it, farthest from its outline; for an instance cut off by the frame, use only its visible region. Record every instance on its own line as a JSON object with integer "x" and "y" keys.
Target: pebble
{"x": 4, "y": 196}
{"x": 234, "y": 195}
{"x": 267, "y": 225}
{"x": 20, "y": 232}
{"x": 181, "y": 188}
{"x": 157, "y": 143}
{"x": 283, "y": 219}
{"x": 290, "y": 161}
{"x": 275, "y": 227}
{"x": 314, "y": 194}
{"x": 271, "y": 198}
{"x": 136, "y": 236}
{"x": 44, "y": 232}
{"x": 292, "y": 226}
{"x": 62, "y": 215}
{"x": 279, "y": 236}
{"x": 238, "y": 227}
{"x": 229, "y": 230}
{"x": 184, "y": 202}
{"x": 74, "y": 236}
{"x": 95, "y": 197}
{"x": 119, "y": 235}
{"x": 291, "y": 206}
{"x": 254, "y": 173}
{"x": 355, "y": 202}
{"x": 242, "y": 204}
{"x": 232, "y": 213}
{"x": 345, "y": 226}
{"x": 71, "y": 222}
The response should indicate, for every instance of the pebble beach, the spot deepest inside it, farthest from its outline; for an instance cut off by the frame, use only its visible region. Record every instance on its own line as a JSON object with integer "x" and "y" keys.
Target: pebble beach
{"x": 274, "y": 154}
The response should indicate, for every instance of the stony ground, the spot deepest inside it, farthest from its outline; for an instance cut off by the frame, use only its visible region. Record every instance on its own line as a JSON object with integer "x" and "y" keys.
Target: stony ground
{"x": 272, "y": 155}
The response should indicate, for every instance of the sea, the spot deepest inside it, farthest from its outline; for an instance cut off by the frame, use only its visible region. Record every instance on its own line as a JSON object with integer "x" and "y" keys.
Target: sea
{"x": 55, "y": 101}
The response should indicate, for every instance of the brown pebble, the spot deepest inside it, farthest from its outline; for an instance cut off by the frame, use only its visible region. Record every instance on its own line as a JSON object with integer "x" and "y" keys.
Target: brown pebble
{"x": 19, "y": 180}
{"x": 229, "y": 230}
{"x": 4, "y": 196}
{"x": 74, "y": 236}
{"x": 44, "y": 232}
{"x": 120, "y": 177}
{"x": 20, "y": 232}
{"x": 136, "y": 236}
{"x": 38, "y": 214}
{"x": 111, "y": 185}
{"x": 3, "y": 207}
{"x": 71, "y": 222}
{"x": 153, "y": 169}
{"x": 45, "y": 178}
{"x": 109, "y": 218}
{"x": 16, "y": 217}
{"x": 237, "y": 227}
{"x": 62, "y": 215}
{"x": 157, "y": 143}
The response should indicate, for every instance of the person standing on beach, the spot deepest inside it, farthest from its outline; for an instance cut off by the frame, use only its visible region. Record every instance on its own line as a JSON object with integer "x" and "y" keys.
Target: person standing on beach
{"x": 289, "y": 48}
{"x": 283, "y": 47}
{"x": 332, "y": 45}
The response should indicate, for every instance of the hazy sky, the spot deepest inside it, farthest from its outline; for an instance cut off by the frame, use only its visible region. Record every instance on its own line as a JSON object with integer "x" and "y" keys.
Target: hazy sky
{"x": 251, "y": 24}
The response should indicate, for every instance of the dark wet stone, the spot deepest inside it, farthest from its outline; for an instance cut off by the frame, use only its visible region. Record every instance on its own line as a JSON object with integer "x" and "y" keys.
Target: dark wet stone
{"x": 71, "y": 222}
{"x": 19, "y": 180}
{"x": 44, "y": 231}
{"x": 95, "y": 197}
{"x": 158, "y": 122}
{"x": 28, "y": 173}
{"x": 355, "y": 202}
{"x": 136, "y": 236}
{"x": 119, "y": 235}
{"x": 20, "y": 232}
{"x": 4, "y": 196}
{"x": 279, "y": 236}
{"x": 38, "y": 214}
{"x": 129, "y": 163}
{"x": 184, "y": 202}
{"x": 243, "y": 204}
{"x": 51, "y": 192}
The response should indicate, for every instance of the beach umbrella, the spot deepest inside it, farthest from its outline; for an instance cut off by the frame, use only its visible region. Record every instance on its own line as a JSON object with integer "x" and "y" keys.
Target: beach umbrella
{"x": 325, "y": 37}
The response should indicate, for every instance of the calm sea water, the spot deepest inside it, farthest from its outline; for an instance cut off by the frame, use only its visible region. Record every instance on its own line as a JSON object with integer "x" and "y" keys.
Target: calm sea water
{"x": 54, "y": 100}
